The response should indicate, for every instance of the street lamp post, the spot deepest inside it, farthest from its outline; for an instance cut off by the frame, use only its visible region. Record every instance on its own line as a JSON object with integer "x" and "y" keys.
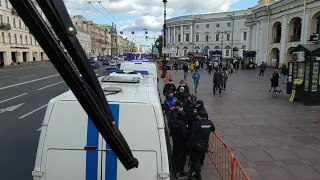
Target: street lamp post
{"x": 222, "y": 32}
{"x": 164, "y": 61}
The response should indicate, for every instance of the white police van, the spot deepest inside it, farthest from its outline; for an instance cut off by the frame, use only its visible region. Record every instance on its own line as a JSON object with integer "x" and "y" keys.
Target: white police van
{"x": 140, "y": 65}
{"x": 71, "y": 148}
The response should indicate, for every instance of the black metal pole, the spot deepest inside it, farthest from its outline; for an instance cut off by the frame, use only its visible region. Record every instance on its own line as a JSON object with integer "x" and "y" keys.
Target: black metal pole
{"x": 164, "y": 61}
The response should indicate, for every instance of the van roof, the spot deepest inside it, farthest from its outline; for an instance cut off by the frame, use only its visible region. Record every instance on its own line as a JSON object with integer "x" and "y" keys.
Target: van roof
{"x": 144, "y": 92}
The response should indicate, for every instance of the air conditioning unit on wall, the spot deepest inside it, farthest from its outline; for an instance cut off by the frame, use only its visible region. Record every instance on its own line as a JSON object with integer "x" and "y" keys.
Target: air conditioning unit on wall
{"x": 298, "y": 56}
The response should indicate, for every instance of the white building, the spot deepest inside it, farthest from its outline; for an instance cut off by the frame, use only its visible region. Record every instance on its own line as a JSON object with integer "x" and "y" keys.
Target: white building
{"x": 277, "y": 27}
{"x": 16, "y": 43}
{"x": 202, "y": 33}
{"x": 83, "y": 34}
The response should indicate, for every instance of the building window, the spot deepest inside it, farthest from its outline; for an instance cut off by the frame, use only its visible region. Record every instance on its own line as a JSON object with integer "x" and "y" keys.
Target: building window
{"x": 15, "y": 39}
{"x": 20, "y": 26}
{"x": 14, "y": 23}
{"x": 8, "y": 20}
{"x": 187, "y": 27}
{"x": 228, "y": 24}
{"x": 26, "y": 39}
{"x": 207, "y": 25}
{"x": 217, "y": 37}
{"x": 7, "y": 4}
{"x": 9, "y": 37}
{"x": 3, "y": 38}
{"x": 244, "y": 36}
{"x": 197, "y": 38}
{"x": 207, "y": 37}
{"x": 21, "y": 40}
{"x": 31, "y": 40}
{"x": 187, "y": 37}
{"x": 228, "y": 37}
{"x": 0, "y": 3}
{"x": 197, "y": 26}
{"x": 227, "y": 52}
{"x": 179, "y": 38}
{"x": 217, "y": 25}
{"x": 178, "y": 27}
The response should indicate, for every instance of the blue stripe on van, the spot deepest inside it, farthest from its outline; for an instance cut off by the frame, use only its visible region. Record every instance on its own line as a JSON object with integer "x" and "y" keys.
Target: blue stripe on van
{"x": 91, "y": 155}
{"x": 111, "y": 159}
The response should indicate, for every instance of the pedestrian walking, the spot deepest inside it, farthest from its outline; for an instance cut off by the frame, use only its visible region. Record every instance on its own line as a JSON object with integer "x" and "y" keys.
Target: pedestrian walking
{"x": 274, "y": 80}
{"x": 198, "y": 143}
{"x": 284, "y": 73}
{"x": 191, "y": 67}
{"x": 196, "y": 79}
{"x": 197, "y": 64}
{"x": 224, "y": 79}
{"x": 262, "y": 69}
{"x": 185, "y": 71}
{"x": 217, "y": 81}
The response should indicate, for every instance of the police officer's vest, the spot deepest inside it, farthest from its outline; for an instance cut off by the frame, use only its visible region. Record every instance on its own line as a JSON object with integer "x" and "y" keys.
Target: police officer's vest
{"x": 171, "y": 103}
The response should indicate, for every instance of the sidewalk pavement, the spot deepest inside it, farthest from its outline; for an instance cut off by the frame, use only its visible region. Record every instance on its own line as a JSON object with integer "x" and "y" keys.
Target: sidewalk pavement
{"x": 208, "y": 170}
{"x": 272, "y": 138}
{"x": 26, "y": 65}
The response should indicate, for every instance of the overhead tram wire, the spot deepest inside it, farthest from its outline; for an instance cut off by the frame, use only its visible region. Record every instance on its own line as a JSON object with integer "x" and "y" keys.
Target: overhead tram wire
{"x": 89, "y": 2}
{"x": 110, "y": 14}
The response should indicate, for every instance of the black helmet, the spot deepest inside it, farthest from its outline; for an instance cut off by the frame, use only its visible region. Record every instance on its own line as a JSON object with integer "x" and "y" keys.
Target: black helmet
{"x": 199, "y": 104}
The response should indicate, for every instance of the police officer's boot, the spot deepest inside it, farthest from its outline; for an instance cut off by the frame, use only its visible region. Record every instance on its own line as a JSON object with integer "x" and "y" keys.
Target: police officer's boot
{"x": 189, "y": 174}
{"x": 197, "y": 176}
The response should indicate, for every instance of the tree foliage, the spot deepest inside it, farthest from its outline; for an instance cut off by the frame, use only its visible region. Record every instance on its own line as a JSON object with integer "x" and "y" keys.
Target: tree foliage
{"x": 159, "y": 44}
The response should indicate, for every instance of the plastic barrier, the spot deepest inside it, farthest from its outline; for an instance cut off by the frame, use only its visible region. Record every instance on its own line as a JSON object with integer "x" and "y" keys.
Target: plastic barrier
{"x": 223, "y": 160}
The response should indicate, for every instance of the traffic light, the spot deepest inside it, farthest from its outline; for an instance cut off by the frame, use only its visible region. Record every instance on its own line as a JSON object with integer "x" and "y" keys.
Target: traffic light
{"x": 146, "y": 38}
{"x": 92, "y": 51}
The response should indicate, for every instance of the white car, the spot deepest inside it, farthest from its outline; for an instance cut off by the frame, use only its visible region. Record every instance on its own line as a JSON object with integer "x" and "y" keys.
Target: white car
{"x": 113, "y": 62}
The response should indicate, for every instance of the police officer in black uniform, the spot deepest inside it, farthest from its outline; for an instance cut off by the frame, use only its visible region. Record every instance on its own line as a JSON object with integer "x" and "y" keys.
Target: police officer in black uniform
{"x": 198, "y": 143}
{"x": 179, "y": 135}
{"x": 169, "y": 87}
{"x": 189, "y": 110}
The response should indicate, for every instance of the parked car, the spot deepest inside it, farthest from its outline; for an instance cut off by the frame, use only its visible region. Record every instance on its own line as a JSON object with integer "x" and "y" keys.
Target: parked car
{"x": 94, "y": 64}
{"x": 106, "y": 62}
{"x": 113, "y": 62}
{"x": 183, "y": 58}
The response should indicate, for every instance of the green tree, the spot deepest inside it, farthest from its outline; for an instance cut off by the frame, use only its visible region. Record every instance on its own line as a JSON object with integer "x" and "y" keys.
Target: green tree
{"x": 159, "y": 44}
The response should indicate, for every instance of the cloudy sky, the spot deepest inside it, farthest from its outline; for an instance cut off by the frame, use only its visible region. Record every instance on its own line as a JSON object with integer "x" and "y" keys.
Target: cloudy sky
{"x": 136, "y": 15}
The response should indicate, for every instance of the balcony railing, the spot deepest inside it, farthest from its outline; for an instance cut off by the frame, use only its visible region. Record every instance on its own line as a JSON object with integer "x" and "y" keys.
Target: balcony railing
{"x": 277, "y": 40}
{"x": 295, "y": 38}
{"x": 5, "y": 26}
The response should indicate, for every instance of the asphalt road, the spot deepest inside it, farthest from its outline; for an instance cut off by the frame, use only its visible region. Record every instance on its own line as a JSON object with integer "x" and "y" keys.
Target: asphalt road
{"x": 24, "y": 95}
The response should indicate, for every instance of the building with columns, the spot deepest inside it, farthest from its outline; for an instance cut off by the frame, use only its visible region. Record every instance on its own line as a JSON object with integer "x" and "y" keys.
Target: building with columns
{"x": 202, "y": 33}
{"x": 276, "y": 27}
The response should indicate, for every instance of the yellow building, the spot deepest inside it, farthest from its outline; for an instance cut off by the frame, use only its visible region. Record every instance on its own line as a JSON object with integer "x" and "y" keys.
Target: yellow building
{"x": 16, "y": 43}
{"x": 276, "y": 27}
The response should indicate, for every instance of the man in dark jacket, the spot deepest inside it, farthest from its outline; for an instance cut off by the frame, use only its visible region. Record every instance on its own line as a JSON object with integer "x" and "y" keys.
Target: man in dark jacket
{"x": 179, "y": 137}
{"x": 217, "y": 81}
{"x": 185, "y": 86}
{"x": 169, "y": 87}
{"x": 198, "y": 143}
{"x": 181, "y": 95}
{"x": 262, "y": 69}
{"x": 284, "y": 73}
{"x": 189, "y": 110}
{"x": 185, "y": 71}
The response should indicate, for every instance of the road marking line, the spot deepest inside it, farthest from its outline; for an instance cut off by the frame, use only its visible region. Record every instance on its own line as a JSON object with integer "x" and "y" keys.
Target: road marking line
{"x": 25, "y": 76}
{"x": 4, "y": 76}
{"x": 14, "y": 85}
{"x": 45, "y": 69}
{"x": 31, "y": 112}
{"x": 13, "y": 98}
{"x": 50, "y": 85}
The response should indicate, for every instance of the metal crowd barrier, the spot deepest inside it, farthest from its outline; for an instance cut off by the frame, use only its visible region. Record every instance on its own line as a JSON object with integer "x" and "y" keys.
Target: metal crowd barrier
{"x": 228, "y": 167}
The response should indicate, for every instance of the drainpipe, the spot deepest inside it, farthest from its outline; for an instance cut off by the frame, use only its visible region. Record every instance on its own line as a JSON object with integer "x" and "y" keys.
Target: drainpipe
{"x": 268, "y": 35}
{"x": 304, "y": 35}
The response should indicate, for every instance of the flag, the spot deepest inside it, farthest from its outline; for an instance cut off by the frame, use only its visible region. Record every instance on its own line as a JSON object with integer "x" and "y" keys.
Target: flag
{"x": 121, "y": 32}
{"x": 132, "y": 32}
{"x": 146, "y": 32}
